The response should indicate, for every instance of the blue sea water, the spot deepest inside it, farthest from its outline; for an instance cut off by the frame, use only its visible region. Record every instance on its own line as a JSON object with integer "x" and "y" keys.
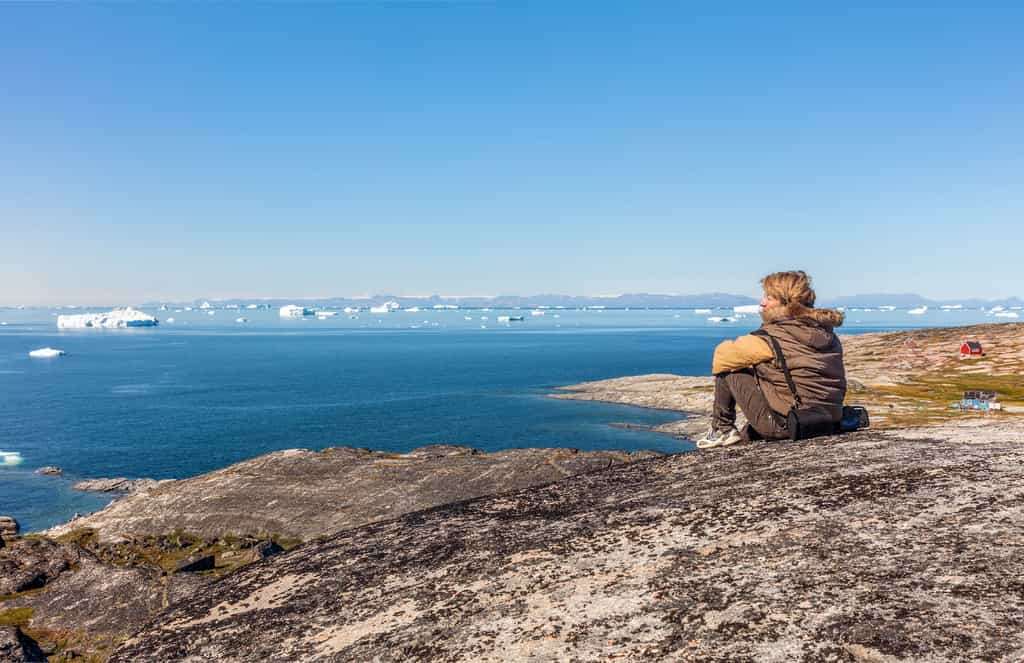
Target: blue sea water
{"x": 205, "y": 391}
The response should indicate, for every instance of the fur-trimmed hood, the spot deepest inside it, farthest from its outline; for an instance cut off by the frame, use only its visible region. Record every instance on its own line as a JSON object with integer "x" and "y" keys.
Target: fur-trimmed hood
{"x": 826, "y": 317}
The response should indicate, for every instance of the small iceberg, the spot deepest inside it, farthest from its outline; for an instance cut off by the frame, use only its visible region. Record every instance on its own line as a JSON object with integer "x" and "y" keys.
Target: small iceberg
{"x": 920, "y": 310}
{"x": 323, "y": 315}
{"x": 747, "y": 308}
{"x": 1007, "y": 314}
{"x": 997, "y": 308}
{"x": 538, "y": 312}
{"x": 48, "y": 353}
{"x": 702, "y": 311}
{"x": 116, "y": 319}
{"x": 241, "y": 321}
{"x": 293, "y": 311}
{"x": 10, "y": 458}
{"x": 170, "y": 321}
{"x": 720, "y": 319}
{"x": 886, "y": 308}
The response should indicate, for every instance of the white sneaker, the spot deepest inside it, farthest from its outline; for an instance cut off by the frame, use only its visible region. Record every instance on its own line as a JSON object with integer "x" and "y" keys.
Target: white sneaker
{"x": 718, "y": 438}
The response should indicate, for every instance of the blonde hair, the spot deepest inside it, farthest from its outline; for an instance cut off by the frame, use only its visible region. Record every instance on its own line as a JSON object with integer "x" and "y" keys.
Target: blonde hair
{"x": 789, "y": 288}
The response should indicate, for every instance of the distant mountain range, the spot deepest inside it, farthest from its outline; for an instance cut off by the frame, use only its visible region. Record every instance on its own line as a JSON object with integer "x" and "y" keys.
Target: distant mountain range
{"x": 910, "y": 300}
{"x": 630, "y": 300}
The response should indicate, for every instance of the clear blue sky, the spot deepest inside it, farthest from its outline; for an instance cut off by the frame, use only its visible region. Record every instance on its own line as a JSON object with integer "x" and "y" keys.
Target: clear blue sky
{"x": 153, "y": 151}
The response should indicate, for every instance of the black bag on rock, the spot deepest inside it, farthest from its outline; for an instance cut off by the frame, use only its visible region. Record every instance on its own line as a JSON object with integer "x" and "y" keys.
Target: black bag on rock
{"x": 809, "y": 421}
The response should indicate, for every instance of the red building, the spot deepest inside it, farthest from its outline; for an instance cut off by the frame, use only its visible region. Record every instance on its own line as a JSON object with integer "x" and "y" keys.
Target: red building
{"x": 971, "y": 349}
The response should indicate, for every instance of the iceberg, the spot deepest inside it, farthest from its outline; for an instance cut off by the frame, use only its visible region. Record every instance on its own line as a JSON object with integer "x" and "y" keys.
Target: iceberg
{"x": 702, "y": 311}
{"x": 920, "y": 310}
{"x": 1007, "y": 314}
{"x": 241, "y": 321}
{"x": 251, "y": 307}
{"x": 47, "y": 353}
{"x": 386, "y": 307}
{"x": 116, "y": 319}
{"x": 323, "y": 315}
{"x": 293, "y": 311}
{"x": 10, "y": 458}
{"x": 747, "y": 308}
{"x": 721, "y": 319}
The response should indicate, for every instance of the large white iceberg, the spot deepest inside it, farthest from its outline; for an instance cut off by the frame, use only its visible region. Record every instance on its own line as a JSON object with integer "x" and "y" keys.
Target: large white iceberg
{"x": 116, "y": 319}
{"x": 386, "y": 307}
{"x": 46, "y": 353}
{"x": 293, "y": 311}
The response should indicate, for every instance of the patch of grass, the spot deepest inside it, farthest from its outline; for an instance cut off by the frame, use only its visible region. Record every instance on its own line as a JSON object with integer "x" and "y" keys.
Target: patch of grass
{"x": 286, "y": 542}
{"x": 16, "y": 617}
{"x": 18, "y": 595}
{"x": 70, "y": 646}
{"x": 948, "y": 386}
{"x": 83, "y": 536}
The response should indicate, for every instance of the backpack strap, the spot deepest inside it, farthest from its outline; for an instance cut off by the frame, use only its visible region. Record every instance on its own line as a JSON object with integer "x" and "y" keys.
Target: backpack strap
{"x": 781, "y": 359}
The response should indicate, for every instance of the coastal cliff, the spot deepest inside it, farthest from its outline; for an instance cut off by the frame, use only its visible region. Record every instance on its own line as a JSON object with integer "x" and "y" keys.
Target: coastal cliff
{"x": 875, "y": 546}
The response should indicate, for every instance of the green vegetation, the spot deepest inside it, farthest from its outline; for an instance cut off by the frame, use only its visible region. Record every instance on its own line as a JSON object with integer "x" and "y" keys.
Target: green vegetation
{"x": 167, "y": 551}
{"x": 16, "y": 617}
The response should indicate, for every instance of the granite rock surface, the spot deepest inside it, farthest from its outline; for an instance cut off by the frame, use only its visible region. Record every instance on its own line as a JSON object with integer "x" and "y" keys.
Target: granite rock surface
{"x": 875, "y": 546}
{"x": 305, "y": 494}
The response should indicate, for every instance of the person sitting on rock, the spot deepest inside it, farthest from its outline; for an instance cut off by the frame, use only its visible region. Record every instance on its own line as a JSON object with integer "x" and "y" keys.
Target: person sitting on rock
{"x": 748, "y": 374}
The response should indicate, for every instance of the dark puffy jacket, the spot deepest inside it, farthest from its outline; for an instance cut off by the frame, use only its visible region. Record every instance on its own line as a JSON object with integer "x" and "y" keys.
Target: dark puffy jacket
{"x": 814, "y": 355}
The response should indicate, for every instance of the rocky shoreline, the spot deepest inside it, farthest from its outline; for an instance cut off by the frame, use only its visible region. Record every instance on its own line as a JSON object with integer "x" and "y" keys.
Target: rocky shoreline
{"x": 79, "y": 589}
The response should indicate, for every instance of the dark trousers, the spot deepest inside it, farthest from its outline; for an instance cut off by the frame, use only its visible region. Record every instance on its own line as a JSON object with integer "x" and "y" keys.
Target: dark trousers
{"x": 740, "y": 388}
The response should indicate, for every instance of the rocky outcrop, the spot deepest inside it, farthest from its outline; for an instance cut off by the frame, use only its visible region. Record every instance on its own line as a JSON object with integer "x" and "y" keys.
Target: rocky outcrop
{"x": 117, "y": 485}
{"x": 104, "y": 600}
{"x": 305, "y": 494}
{"x": 16, "y": 647}
{"x": 876, "y": 546}
{"x": 50, "y": 470}
{"x": 31, "y": 563}
{"x": 61, "y": 592}
{"x": 8, "y": 526}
